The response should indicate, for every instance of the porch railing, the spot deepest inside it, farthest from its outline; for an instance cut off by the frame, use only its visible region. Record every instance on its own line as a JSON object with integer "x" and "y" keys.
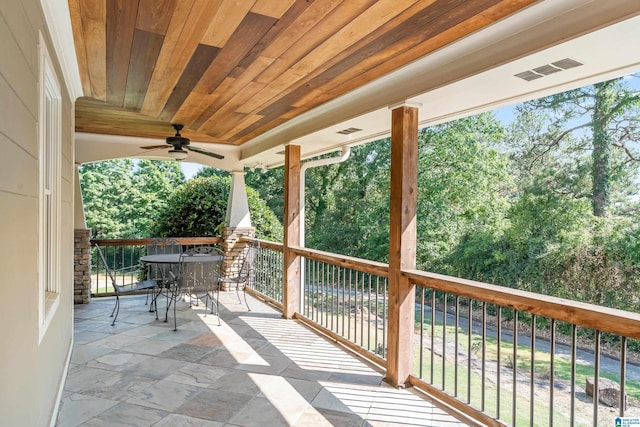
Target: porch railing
{"x": 499, "y": 355}
{"x": 523, "y": 358}
{"x": 123, "y": 256}
{"x": 267, "y": 281}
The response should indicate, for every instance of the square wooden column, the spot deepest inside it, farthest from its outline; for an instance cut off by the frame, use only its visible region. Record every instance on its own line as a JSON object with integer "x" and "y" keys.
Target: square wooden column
{"x": 291, "y": 276}
{"x": 402, "y": 242}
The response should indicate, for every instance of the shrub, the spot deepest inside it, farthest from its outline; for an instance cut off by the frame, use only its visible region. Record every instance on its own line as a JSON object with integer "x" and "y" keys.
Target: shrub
{"x": 198, "y": 208}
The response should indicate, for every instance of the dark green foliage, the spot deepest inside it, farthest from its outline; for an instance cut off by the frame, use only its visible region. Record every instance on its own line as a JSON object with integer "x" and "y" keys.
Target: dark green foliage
{"x": 347, "y": 204}
{"x": 463, "y": 185}
{"x": 206, "y": 172}
{"x": 198, "y": 208}
{"x": 269, "y": 185}
{"x": 121, "y": 197}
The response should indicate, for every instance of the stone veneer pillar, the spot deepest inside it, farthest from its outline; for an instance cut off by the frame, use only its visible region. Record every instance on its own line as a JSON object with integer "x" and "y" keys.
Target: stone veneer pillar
{"x": 234, "y": 250}
{"x": 82, "y": 266}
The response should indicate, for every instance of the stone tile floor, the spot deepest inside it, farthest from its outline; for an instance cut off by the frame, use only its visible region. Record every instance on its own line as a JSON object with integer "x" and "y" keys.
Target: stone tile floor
{"x": 255, "y": 369}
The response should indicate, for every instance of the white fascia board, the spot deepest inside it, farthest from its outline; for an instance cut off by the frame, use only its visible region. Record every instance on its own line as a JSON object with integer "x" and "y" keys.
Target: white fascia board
{"x": 58, "y": 20}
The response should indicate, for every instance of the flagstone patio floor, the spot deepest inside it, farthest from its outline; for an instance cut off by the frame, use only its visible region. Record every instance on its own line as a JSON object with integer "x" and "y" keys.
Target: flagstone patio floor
{"x": 255, "y": 369}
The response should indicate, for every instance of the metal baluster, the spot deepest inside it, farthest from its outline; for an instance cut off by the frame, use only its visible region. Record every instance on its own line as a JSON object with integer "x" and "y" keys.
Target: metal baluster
{"x": 470, "y": 333}
{"x": 484, "y": 356}
{"x": 433, "y": 323}
{"x": 572, "y": 411}
{"x": 334, "y": 297}
{"x": 514, "y": 396}
{"x": 385, "y": 311}
{"x": 307, "y": 293}
{"x": 421, "y": 351}
{"x": 623, "y": 375}
{"x": 532, "y": 383}
{"x": 444, "y": 337}
{"x": 596, "y": 379}
{"x": 322, "y": 297}
{"x": 361, "y": 308}
{"x": 315, "y": 293}
{"x": 377, "y": 314}
{"x": 369, "y": 312}
{"x": 498, "y": 362}
{"x": 552, "y": 368}
{"x": 349, "y": 312}
{"x": 344, "y": 284}
{"x": 456, "y": 339}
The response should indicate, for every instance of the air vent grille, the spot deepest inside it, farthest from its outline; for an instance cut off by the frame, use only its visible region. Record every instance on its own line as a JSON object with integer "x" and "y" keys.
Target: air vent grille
{"x": 567, "y": 63}
{"x": 349, "y": 131}
{"x": 528, "y": 75}
{"x": 547, "y": 69}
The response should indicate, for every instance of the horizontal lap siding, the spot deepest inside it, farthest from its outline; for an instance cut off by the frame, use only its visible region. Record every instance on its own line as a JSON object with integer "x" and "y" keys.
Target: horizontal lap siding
{"x": 31, "y": 370}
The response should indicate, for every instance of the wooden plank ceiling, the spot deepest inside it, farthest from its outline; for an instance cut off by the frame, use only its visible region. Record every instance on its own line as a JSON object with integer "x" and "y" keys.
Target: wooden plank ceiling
{"x": 230, "y": 70}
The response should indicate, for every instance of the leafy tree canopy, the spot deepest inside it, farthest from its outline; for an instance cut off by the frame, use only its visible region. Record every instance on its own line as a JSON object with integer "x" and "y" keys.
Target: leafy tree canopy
{"x": 585, "y": 141}
{"x": 198, "y": 208}
{"x": 121, "y": 197}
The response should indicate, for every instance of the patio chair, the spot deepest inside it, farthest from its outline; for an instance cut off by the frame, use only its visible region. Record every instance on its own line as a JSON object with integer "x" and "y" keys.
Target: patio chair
{"x": 146, "y": 284}
{"x": 160, "y": 272}
{"x": 246, "y": 274}
{"x": 198, "y": 277}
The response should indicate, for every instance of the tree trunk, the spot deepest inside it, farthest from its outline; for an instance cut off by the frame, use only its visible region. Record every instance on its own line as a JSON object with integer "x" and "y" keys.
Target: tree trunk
{"x": 601, "y": 168}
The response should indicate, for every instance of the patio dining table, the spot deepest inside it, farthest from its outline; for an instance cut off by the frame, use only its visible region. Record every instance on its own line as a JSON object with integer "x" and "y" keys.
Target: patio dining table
{"x": 173, "y": 260}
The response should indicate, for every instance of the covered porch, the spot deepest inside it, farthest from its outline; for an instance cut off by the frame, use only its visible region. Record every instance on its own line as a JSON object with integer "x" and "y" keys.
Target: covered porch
{"x": 255, "y": 369}
{"x": 265, "y": 84}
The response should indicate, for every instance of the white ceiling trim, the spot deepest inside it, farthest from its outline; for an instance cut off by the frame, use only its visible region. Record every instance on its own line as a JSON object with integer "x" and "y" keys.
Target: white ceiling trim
{"x": 58, "y": 20}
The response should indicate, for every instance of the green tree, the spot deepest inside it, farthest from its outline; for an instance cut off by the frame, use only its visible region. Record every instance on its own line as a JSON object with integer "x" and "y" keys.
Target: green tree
{"x": 347, "y": 204}
{"x": 594, "y": 120}
{"x": 208, "y": 171}
{"x": 109, "y": 198}
{"x": 154, "y": 182}
{"x": 268, "y": 184}
{"x": 270, "y": 187}
{"x": 463, "y": 186}
{"x": 198, "y": 208}
{"x": 121, "y": 197}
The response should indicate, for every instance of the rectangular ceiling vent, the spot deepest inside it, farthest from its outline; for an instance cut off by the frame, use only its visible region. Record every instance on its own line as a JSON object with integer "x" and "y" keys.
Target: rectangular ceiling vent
{"x": 349, "y": 131}
{"x": 528, "y": 75}
{"x": 547, "y": 69}
{"x": 567, "y": 63}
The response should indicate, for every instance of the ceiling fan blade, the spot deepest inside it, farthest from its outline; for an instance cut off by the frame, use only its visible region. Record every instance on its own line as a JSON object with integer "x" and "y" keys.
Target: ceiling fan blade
{"x": 154, "y": 147}
{"x": 202, "y": 151}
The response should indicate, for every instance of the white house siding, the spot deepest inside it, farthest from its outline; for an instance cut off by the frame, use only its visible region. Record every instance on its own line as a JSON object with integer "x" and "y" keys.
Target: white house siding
{"x": 31, "y": 370}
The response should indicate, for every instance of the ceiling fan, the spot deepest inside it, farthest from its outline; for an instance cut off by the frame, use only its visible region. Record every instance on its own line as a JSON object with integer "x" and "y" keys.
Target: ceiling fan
{"x": 179, "y": 142}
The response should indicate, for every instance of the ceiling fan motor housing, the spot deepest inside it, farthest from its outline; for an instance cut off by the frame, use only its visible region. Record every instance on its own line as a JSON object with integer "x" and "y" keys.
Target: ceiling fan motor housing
{"x": 177, "y": 141}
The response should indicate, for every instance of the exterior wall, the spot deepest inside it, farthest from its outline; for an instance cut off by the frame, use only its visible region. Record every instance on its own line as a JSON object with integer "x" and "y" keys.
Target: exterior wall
{"x": 33, "y": 366}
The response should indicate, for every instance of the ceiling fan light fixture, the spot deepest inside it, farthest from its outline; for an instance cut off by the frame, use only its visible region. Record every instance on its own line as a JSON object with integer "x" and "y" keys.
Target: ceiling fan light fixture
{"x": 178, "y": 155}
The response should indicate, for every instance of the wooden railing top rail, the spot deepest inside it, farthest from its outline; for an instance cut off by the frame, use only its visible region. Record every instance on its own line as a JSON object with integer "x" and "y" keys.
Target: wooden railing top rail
{"x": 605, "y": 319}
{"x": 150, "y": 241}
{"x": 366, "y": 266}
{"x": 265, "y": 243}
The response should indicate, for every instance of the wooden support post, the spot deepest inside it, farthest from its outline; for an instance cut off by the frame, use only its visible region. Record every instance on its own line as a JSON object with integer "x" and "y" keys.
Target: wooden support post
{"x": 402, "y": 242}
{"x": 291, "y": 297}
